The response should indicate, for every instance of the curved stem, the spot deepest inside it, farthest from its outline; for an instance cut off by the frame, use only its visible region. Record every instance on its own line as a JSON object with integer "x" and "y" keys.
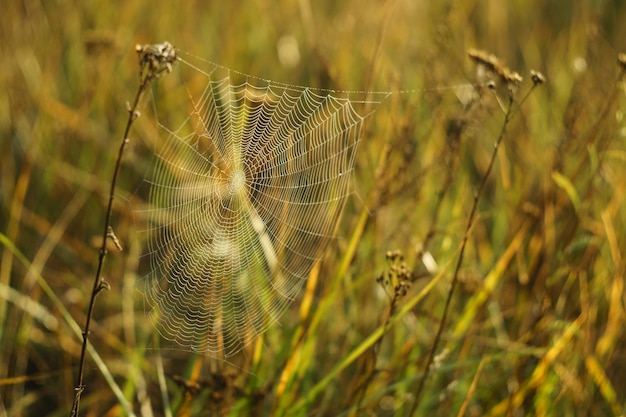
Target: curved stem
{"x": 154, "y": 60}
{"x": 455, "y": 277}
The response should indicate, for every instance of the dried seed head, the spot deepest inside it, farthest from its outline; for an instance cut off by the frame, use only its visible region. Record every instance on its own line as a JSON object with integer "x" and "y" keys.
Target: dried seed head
{"x": 393, "y": 255}
{"x": 488, "y": 60}
{"x": 514, "y": 77}
{"x": 537, "y": 77}
{"x": 493, "y": 64}
{"x": 154, "y": 60}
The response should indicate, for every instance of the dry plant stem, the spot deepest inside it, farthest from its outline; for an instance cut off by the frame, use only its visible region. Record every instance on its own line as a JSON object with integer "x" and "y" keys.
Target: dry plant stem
{"x": 99, "y": 282}
{"x": 153, "y": 61}
{"x": 375, "y": 349}
{"x": 455, "y": 277}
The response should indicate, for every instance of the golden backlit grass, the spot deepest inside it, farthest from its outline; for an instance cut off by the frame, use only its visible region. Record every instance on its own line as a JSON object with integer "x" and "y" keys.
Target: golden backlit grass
{"x": 536, "y": 322}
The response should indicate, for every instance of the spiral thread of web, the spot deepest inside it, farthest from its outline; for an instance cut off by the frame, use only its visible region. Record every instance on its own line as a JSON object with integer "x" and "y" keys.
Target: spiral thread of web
{"x": 245, "y": 197}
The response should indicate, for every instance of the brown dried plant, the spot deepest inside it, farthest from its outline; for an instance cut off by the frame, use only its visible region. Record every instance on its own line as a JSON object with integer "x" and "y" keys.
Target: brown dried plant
{"x": 154, "y": 61}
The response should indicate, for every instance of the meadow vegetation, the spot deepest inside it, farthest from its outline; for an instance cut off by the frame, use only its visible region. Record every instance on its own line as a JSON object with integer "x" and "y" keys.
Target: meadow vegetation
{"x": 534, "y": 309}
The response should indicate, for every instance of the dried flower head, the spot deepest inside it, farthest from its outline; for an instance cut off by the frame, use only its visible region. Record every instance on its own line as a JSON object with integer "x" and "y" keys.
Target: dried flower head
{"x": 398, "y": 279}
{"x": 155, "y": 60}
{"x": 392, "y": 255}
{"x": 537, "y": 77}
{"x": 493, "y": 64}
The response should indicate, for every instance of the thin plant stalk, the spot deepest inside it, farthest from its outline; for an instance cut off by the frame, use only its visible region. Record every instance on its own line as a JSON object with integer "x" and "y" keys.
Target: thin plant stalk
{"x": 508, "y": 113}
{"x": 470, "y": 222}
{"x": 154, "y": 60}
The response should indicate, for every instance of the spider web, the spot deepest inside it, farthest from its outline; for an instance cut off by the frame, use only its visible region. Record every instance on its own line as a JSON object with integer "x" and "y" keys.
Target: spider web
{"x": 244, "y": 198}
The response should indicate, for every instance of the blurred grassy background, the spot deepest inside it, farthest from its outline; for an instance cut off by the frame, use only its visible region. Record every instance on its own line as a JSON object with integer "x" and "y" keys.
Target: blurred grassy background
{"x": 536, "y": 326}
